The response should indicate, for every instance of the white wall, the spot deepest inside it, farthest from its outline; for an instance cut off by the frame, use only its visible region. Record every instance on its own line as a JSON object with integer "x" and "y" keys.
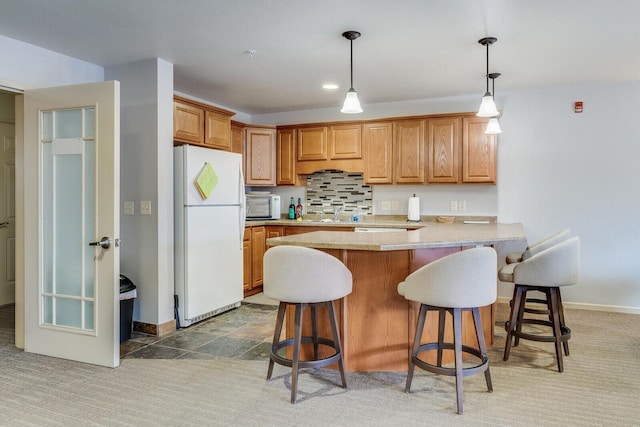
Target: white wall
{"x": 147, "y": 174}
{"x": 556, "y": 170}
{"x": 560, "y": 169}
{"x": 25, "y": 66}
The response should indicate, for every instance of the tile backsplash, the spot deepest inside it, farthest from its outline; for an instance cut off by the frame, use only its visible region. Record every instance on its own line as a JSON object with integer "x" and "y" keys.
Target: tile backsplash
{"x": 329, "y": 189}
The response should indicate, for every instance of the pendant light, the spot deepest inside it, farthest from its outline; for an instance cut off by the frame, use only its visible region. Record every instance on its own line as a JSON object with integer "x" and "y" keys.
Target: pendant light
{"x": 487, "y": 107}
{"x": 493, "y": 127}
{"x": 351, "y": 103}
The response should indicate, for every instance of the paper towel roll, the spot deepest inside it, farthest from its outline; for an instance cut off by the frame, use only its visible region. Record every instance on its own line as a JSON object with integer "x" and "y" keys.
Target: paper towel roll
{"x": 414, "y": 209}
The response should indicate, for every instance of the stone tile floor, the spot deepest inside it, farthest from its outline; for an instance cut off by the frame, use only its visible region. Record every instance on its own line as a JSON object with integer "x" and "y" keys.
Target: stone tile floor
{"x": 242, "y": 333}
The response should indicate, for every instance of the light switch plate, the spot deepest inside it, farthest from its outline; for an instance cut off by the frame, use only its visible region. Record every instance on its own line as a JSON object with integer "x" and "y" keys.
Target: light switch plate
{"x": 129, "y": 208}
{"x": 453, "y": 205}
{"x": 145, "y": 207}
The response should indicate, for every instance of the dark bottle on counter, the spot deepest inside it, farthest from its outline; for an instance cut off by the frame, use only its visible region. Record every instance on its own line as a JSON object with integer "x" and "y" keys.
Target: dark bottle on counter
{"x": 299, "y": 209}
{"x": 292, "y": 209}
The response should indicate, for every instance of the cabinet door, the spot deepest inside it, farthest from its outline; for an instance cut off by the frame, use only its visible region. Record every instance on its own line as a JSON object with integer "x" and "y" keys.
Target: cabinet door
{"x": 409, "y": 151}
{"x": 260, "y": 162}
{"x": 188, "y": 123}
{"x": 286, "y": 160}
{"x": 444, "y": 150}
{"x": 478, "y": 151}
{"x": 312, "y": 143}
{"x": 246, "y": 260}
{"x": 217, "y": 129}
{"x": 378, "y": 144}
{"x": 258, "y": 246}
{"x": 274, "y": 231}
{"x": 237, "y": 139}
{"x": 345, "y": 142}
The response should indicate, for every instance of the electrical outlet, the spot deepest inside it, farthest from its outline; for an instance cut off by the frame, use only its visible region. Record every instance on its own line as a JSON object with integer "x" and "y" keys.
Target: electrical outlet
{"x": 128, "y": 208}
{"x": 453, "y": 205}
{"x": 462, "y": 205}
{"x": 145, "y": 207}
{"x": 394, "y": 205}
{"x": 385, "y": 205}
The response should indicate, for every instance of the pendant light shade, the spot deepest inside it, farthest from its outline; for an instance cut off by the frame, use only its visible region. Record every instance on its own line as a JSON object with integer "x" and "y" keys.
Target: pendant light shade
{"x": 488, "y": 106}
{"x": 493, "y": 127}
{"x": 351, "y": 103}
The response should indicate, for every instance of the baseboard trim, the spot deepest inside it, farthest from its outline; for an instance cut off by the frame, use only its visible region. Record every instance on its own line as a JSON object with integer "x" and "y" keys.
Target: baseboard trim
{"x": 592, "y": 307}
{"x": 158, "y": 330}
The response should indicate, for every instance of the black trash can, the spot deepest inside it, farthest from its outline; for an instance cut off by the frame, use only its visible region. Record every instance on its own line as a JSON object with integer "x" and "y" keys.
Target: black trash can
{"x": 127, "y": 295}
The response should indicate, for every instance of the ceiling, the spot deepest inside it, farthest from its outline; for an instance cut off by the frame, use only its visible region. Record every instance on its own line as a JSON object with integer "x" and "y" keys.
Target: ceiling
{"x": 409, "y": 49}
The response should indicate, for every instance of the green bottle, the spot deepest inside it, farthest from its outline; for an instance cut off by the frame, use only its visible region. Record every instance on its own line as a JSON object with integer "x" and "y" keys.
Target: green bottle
{"x": 292, "y": 209}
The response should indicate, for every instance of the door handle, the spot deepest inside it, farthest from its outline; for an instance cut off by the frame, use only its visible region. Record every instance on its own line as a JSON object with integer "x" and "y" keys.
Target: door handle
{"x": 104, "y": 243}
{"x": 4, "y": 224}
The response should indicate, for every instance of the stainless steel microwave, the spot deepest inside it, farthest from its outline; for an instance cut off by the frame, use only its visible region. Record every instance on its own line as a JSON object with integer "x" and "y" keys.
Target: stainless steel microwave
{"x": 263, "y": 206}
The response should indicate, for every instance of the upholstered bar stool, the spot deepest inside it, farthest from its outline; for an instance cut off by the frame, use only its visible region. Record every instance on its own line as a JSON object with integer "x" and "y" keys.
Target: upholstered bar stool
{"x": 530, "y": 251}
{"x": 305, "y": 277}
{"x": 540, "y": 246}
{"x": 545, "y": 272}
{"x": 463, "y": 281}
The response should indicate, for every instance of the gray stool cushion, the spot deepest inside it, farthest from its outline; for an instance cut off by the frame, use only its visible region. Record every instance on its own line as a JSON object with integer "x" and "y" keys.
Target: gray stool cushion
{"x": 537, "y": 247}
{"x": 460, "y": 280}
{"x": 303, "y": 275}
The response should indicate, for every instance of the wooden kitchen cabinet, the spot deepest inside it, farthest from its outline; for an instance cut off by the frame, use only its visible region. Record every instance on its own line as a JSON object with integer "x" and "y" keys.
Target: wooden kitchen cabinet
{"x": 237, "y": 137}
{"x": 378, "y": 152}
{"x": 286, "y": 157}
{"x": 443, "y": 147}
{"x": 478, "y": 152}
{"x": 409, "y": 149}
{"x": 258, "y": 246}
{"x": 246, "y": 260}
{"x": 345, "y": 142}
{"x": 201, "y": 124}
{"x": 260, "y": 161}
{"x": 217, "y": 128}
{"x": 188, "y": 123}
{"x": 312, "y": 143}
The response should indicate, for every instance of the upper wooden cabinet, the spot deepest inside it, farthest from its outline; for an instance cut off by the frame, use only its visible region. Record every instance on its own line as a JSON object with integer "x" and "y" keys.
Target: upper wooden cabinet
{"x": 188, "y": 123}
{"x": 444, "y": 150}
{"x": 201, "y": 124}
{"x": 260, "y": 161}
{"x": 286, "y": 157}
{"x": 345, "y": 142}
{"x": 312, "y": 143}
{"x": 478, "y": 151}
{"x": 237, "y": 137}
{"x": 378, "y": 153}
{"x": 409, "y": 143}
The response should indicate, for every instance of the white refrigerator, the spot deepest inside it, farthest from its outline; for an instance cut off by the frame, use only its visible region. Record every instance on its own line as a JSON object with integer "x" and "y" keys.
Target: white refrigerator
{"x": 208, "y": 234}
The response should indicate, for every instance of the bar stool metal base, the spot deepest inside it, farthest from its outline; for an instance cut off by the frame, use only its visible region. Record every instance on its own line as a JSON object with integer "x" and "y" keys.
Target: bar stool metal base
{"x": 458, "y": 371}
{"x": 555, "y": 313}
{"x": 295, "y": 363}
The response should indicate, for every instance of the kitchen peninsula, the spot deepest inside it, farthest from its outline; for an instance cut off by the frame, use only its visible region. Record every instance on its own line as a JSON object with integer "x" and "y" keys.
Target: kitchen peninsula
{"x": 377, "y": 324}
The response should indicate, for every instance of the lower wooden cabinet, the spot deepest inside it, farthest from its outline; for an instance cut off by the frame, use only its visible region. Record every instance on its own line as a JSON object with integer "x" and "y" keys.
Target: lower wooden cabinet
{"x": 254, "y": 247}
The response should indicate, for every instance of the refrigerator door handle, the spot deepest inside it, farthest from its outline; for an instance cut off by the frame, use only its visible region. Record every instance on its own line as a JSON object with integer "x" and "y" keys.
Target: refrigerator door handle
{"x": 243, "y": 205}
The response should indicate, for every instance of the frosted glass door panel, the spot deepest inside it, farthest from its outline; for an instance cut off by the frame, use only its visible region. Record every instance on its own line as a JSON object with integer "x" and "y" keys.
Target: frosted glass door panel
{"x": 68, "y": 223}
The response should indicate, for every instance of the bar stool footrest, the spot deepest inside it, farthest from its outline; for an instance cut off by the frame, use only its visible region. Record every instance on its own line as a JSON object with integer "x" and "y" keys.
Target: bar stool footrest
{"x": 440, "y": 370}
{"x": 319, "y": 363}
{"x": 565, "y": 333}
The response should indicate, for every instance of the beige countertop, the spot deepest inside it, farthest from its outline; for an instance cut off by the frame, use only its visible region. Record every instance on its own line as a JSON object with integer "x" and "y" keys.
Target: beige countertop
{"x": 370, "y": 221}
{"x": 431, "y": 235}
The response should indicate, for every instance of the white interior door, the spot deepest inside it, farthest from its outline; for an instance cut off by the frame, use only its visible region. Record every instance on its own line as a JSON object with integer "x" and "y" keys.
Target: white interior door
{"x": 71, "y": 198}
{"x": 7, "y": 213}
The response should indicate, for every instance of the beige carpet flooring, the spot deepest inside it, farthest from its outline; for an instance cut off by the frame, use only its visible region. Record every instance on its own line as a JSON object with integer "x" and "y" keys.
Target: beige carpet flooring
{"x": 600, "y": 387}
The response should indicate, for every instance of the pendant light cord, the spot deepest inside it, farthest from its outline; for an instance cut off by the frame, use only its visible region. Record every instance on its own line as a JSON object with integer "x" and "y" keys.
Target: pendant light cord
{"x": 351, "y": 42}
{"x": 487, "y": 75}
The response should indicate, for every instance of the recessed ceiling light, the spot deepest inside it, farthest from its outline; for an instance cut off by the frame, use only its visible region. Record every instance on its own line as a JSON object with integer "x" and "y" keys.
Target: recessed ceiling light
{"x": 330, "y": 86}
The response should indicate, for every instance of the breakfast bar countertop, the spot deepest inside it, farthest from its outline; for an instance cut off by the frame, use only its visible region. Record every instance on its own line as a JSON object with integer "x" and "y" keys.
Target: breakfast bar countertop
{"x": 431, "y": 235}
